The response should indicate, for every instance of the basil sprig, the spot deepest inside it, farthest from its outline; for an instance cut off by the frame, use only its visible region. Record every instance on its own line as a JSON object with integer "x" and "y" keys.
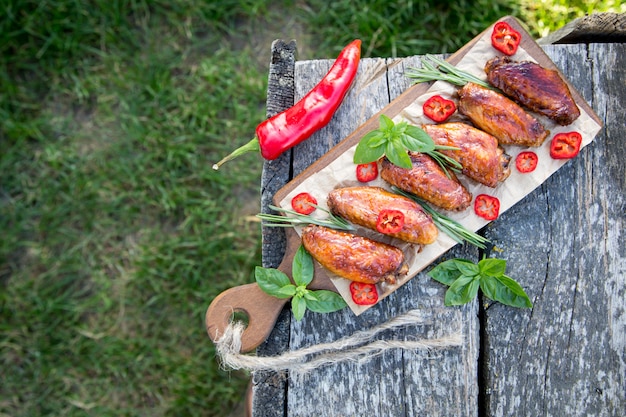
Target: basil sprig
{"x": 464, "y": 278}
{"x": 394, "y": 139}
{"x": 277, "y": 284}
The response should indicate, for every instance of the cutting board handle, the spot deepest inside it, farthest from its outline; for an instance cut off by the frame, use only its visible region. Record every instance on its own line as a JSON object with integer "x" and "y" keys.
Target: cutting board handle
{"x": 261, "y": 310}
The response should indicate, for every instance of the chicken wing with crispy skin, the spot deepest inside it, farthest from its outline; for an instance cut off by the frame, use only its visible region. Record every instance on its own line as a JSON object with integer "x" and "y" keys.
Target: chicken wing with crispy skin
{"x": 354, "y": 257}
{"x": 483, "y": 160}
{"x": 540, "y": 89}
{"x": 428, "y": 181}
{"x": 500, "y": 116}
{"x": 361, "y": 205}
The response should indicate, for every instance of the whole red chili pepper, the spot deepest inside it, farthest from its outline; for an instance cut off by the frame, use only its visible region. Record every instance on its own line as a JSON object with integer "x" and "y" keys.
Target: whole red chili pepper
{"x": 296, "y": 124}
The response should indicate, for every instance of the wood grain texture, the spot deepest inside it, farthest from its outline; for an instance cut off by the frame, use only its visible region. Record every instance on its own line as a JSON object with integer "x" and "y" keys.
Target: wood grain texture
{"x": 269, "y": 388}
{"x": 593, "y": 28}
{"x": 563, "y": 242}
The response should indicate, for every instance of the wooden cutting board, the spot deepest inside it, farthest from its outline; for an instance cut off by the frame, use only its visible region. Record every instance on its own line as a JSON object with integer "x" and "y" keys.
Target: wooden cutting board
{"x": 261, "y": 309}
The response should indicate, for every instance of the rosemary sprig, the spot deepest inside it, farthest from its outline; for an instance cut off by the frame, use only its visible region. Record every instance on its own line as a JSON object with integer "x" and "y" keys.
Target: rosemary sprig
{"x": 435, "y": 69}
{"x": 277, "y": 220}
{"x": 451, "y": 227}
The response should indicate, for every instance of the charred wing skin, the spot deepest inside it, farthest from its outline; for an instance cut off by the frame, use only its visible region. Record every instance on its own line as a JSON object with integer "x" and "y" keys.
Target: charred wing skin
{"x": 428, "y": 181}
{"x": 482, "y": 158}
{"x": 500, "y": 116}
{"x": 354, "y": 257}
{"x": 361, "y": 205}
{"x": 540, "y": 89}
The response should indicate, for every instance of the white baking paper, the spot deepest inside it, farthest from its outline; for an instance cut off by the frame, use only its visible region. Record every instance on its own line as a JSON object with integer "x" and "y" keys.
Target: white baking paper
{"x": 341, "y": 173}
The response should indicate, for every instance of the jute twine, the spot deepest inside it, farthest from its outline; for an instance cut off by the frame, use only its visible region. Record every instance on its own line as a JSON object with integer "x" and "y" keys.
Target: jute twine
{"x": 359, "y": 346}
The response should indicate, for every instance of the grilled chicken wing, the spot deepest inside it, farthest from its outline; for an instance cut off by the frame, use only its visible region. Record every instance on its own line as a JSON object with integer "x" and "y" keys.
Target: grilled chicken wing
{"x": 361, "y": 205}
{"x": 428, "y": 181}
{"x": 540, "y": 89}
{"x": 483, "y": 160}
{"x": 354, "y": 257}
{"x": 500, "y": 116}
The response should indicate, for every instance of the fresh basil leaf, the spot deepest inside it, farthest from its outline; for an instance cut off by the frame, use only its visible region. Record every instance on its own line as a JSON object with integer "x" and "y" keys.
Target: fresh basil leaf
{"x": 302, "y": 267}
{"x": 271, "y": 280}
{"x": 462, "y": 291}
{"x": 385, "y": 122}
{"x": 467, "y": 268}
{"x": 309, "y": 295}
{"x": 417, "y": 140}
{"x": 298, "y": 307}
{"x": 286, "y": 291}
{"x": 505, "y": 290}
{"x": 492, "y": 267}
{"x": 364, "y": 154}
{"x": 445, "y": 272}
{"x": 398, "y": 155}
{"x": 327, "y": 302}
{"x": 375, "y": 138}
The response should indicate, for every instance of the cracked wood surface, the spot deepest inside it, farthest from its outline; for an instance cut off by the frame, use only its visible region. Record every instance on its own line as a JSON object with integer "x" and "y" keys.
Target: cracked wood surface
{"x": 563, "y": 242}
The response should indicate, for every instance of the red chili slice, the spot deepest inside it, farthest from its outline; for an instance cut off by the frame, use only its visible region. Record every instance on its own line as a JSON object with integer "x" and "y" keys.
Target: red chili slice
{"x": 367, "y": 172}
{"x": 304, "y": 203}
{"x": 487, "y": 207}
{"x": 363, "y": 294}
{"x": 390, "y": 221}
{"x": 526, "y": 162}
{"x": 438, "y": 108}
{"x": 505, "y": 39}
{"x": 565, "y": 145}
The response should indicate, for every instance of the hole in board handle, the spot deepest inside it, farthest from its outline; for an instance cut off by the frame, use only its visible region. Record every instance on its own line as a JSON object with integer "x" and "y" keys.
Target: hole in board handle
{"x": 240, "y": 316}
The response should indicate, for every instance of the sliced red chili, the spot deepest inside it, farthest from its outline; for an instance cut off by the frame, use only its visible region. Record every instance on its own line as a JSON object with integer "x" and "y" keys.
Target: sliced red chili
{"x": 296, "y": 124}
{"x": 363, "y": 294}
{"x": 487, "y": 207}
{"x": 303, "y": 203}
{"x": 526, "y": 161}
{"x": 565, "y": 145}
{"x": 505, "y": 39}
{"x": 367, "y": 172}
{"x": 438, "y": 108}
{"x": 389, "y": 221}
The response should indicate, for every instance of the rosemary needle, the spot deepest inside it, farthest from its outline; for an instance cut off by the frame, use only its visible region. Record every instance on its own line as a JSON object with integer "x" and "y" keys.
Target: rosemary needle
{"x": 435, "y": 69}
{"x": 277, "y": 220}
{"x": 451, "y": 227}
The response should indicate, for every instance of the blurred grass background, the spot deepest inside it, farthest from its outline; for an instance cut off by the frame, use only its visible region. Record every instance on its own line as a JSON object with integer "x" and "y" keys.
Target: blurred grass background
{"x": 115, "y": 232}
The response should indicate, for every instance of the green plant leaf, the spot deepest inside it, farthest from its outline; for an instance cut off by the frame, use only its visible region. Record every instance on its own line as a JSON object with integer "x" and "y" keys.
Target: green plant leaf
{"x": 271, "y": 281}
{"x": 447, "y": 272}
{"x": 462, "y": 291}
{"x": 398, "y": 155}
{"x": 505, "y": 290}
{"x": 327, "y": 302}
{"x": 416, "y": 139}
{"x": 385, "y": 123}
{"x": 298, "y": 307}
{"x": 364, "y": 154}
{"x": 286, "y": 291}
{"x": 302, "y": 267}
{"x": 492, "y": 267}
{"x": 468, "y": 268}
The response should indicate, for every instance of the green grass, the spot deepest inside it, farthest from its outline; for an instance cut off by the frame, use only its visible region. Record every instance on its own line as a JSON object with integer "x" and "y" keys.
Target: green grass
{"x": 116, "y": 232}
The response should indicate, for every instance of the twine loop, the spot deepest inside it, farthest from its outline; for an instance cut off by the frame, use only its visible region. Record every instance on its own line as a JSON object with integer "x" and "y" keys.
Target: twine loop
{"x": 360, "y": 346}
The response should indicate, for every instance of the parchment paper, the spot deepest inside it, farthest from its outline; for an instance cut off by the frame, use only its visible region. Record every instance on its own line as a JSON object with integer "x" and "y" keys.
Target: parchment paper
{"x": 341, "y": 173}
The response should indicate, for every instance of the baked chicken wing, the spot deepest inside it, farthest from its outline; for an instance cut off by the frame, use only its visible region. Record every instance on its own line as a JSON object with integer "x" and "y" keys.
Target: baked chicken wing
{"x": 540, "y": 89}
{"x": 428, "y": 181}
{"x": 500, "y": 116}
{"x": 362, "y": 205}
{"x": 483, "y": 160}
{"x": 354, "y": 257}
